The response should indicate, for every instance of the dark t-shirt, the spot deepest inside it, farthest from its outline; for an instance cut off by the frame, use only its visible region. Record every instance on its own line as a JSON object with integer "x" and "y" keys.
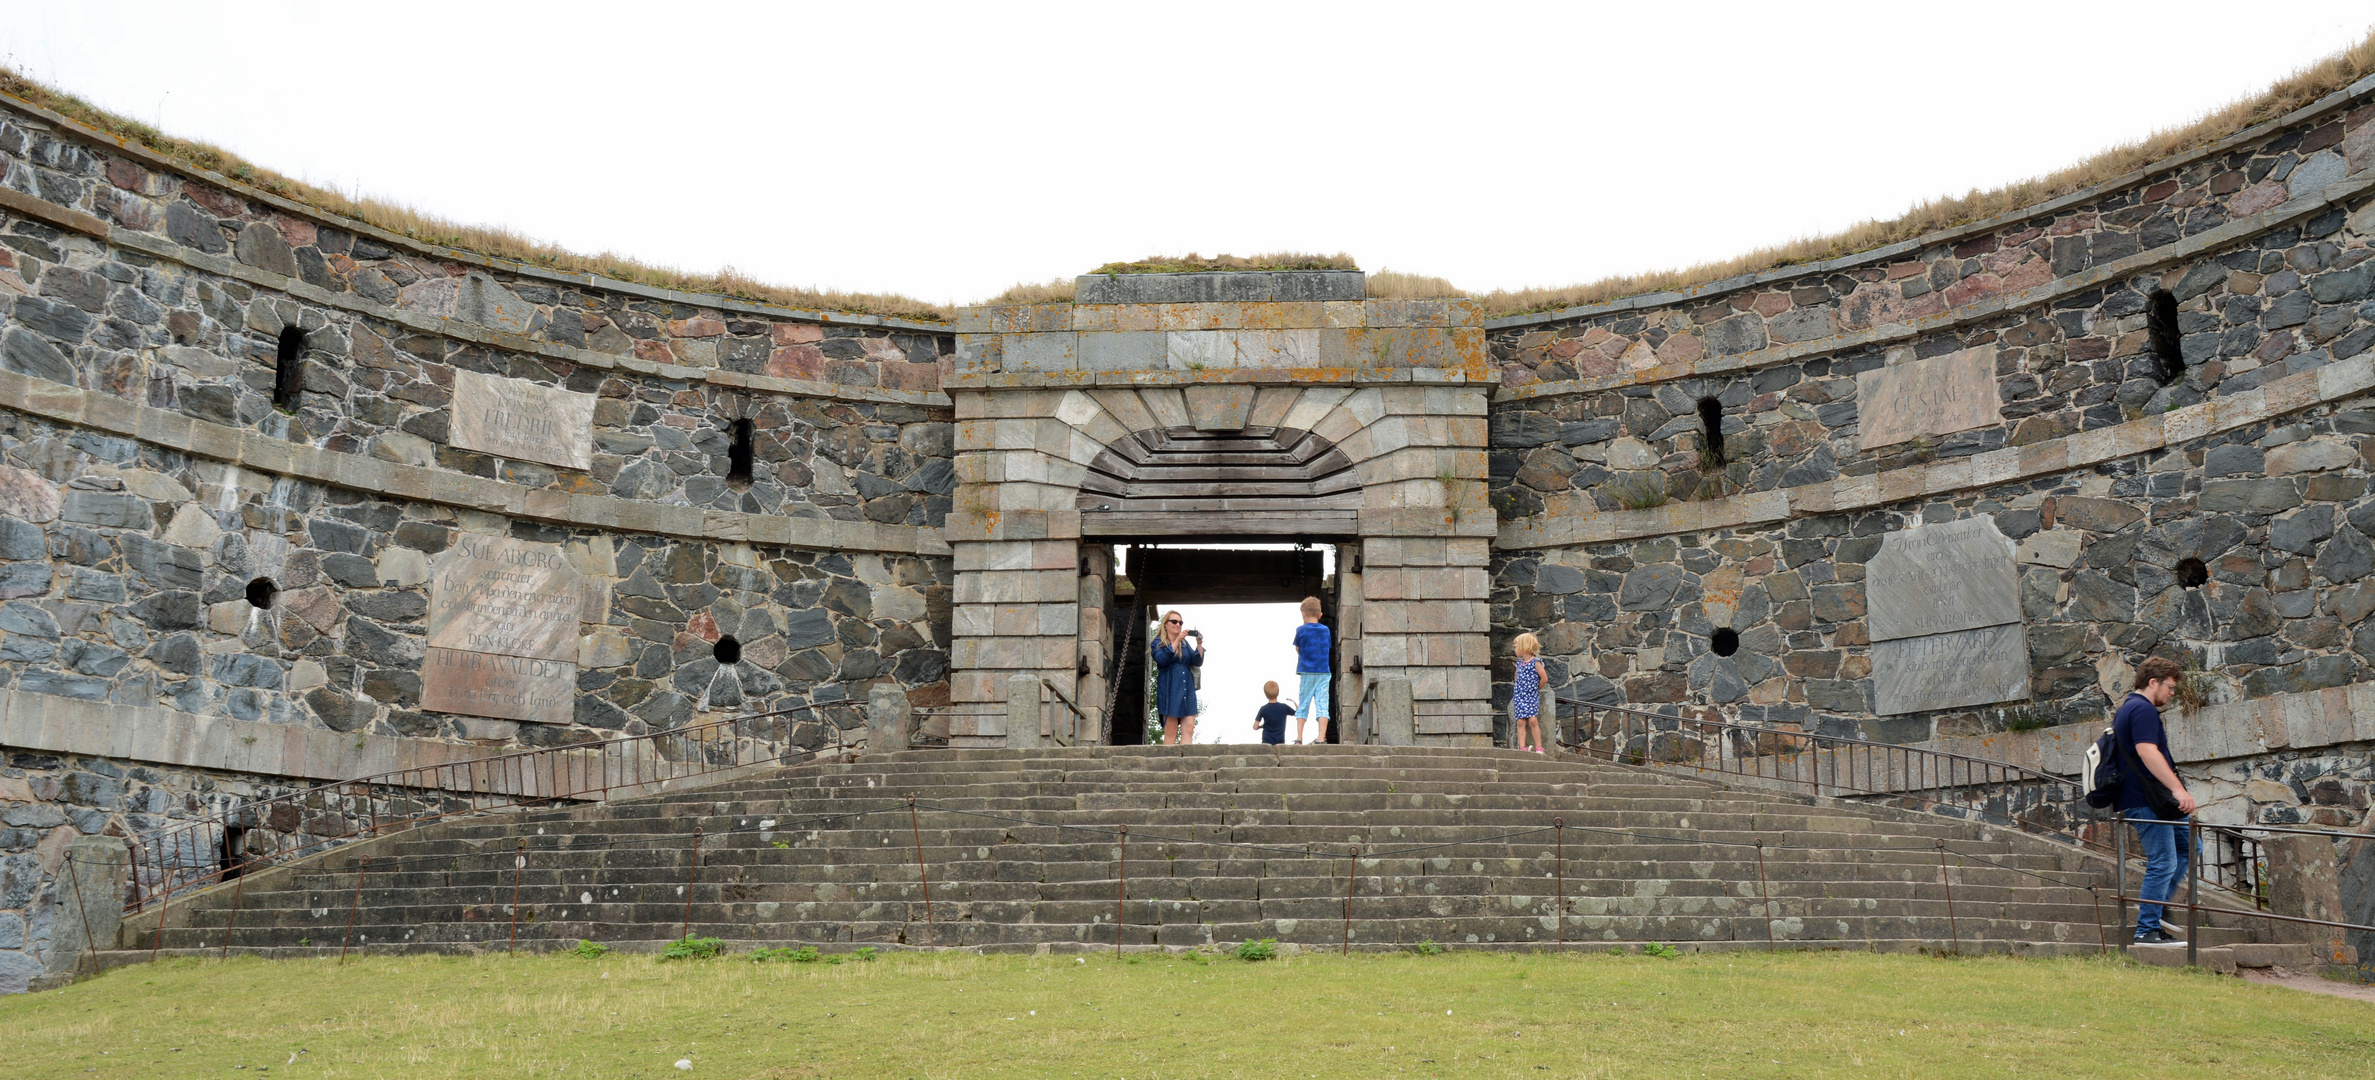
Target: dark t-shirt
{"x": 1273, "y": 717}
{"x": 2139, "y": 722}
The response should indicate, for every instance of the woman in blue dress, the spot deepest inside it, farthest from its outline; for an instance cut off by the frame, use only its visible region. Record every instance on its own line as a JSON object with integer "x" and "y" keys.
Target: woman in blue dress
{"x": 1175, "y": 683}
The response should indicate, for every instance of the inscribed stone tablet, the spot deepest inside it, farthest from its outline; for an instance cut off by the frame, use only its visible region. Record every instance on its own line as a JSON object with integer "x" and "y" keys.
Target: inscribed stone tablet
{"x": 1956, "y": 575}
{"x": 493, "y": 594}
{"x": 509, "y": 687}
{"x": 525, "y": 421}
{"x": 1947, "y": 671}
{"x": 1955, "y": 392}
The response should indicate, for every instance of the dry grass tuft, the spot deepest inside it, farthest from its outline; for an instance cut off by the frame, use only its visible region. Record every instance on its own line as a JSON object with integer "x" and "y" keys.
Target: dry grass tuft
{"x": 2289, "y": 93}
{"x": 485, "y": 240}
{"x": 1396, "y": 285}
{"x": 1192, "y": 263}
{"x": 1052, "y": 291}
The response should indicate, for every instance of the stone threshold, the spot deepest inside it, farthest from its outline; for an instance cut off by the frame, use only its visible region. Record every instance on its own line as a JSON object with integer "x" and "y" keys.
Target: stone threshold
{"x": 159, "y": 163}
{"x": 2197, "y": 245}
{"x": 278, "y": 457}
{"x": 157, "y": 735}
{"x": 455, "y": 329}
{"x": 1568, "y": 525}
{"x": 2334, "y": 102}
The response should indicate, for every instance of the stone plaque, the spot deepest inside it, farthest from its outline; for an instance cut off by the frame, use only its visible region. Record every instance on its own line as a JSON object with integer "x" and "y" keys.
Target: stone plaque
{"x": 1948, "y": 671}
{"x": 1956, "y": 575}
{"x": 491, "y": 684}
{"x": 1943, "y": 394}
{"x": 521, "y": 420}
{"x": 493, "y": 594}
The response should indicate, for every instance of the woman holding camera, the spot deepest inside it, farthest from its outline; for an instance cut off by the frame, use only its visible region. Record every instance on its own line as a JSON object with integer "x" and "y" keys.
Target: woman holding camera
{"x": 1177, "y": 653}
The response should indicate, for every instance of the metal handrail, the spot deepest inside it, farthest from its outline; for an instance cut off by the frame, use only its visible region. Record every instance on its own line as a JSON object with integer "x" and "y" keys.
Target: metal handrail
{"x": 197, "y": 853}
{"x": 1832, "y": 765}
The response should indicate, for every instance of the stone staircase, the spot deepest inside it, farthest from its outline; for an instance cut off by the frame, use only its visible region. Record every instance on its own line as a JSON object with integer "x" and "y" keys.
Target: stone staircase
{"x": 1020, "y": 847}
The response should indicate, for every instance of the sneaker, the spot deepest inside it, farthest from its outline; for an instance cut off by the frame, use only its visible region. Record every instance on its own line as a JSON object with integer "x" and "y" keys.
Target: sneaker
{"x": 2158, "y": 936}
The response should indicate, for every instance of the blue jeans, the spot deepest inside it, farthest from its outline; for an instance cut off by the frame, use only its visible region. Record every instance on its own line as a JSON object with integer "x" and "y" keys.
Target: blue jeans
{"x": 2166, "y": 845}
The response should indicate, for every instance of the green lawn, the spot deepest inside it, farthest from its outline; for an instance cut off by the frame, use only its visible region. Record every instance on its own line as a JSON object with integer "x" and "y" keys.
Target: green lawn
{"x": 1461, "y": 1014}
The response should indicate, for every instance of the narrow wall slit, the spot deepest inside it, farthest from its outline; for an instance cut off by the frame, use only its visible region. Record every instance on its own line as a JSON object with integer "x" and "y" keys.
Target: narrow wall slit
{"x": 288, "y": 374}
{"x": 2160, "y": 324}
{"x": 1711, "y": 433}
{"x": 740, "y": 450}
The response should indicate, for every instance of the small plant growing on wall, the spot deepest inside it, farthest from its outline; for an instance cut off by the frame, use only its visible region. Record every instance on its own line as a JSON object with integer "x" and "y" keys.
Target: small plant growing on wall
{"x": 1639, "y": 492}
{"x": 2195, "y": 688}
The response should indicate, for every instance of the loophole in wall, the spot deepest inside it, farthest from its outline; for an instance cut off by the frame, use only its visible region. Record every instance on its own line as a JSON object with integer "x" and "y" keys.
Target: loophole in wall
{"x": 1725, "y": 642}
{"x": 2192, "y": 574}
{"x": 727, "y": 650}
{"x": 262, "y": 592}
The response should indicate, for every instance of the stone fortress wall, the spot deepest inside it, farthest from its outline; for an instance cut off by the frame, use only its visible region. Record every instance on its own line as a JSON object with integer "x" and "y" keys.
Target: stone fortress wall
{"x": 284, "y": 498}
{"x": 2092, "y": 479}
{"x": 440, "y": 405}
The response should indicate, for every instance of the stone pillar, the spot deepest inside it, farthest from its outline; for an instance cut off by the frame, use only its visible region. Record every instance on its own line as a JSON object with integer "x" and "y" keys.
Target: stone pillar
{"x": 2304, "y": 882}
{"x": 1396, "y": 723}
{"x": 886, "y": 718}
{"x": 1424, "y": 612}
{"x": 92, "y": 880}
{"x": 1023, "y": 711}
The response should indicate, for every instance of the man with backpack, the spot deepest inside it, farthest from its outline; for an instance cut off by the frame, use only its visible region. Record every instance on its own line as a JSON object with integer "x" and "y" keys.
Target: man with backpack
{"x": 2151, "y": 797}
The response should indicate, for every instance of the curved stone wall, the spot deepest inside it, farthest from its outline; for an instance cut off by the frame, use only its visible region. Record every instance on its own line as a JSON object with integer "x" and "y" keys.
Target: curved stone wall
{"x": 2203, "y": 496}
{"x": 148, "y": 482}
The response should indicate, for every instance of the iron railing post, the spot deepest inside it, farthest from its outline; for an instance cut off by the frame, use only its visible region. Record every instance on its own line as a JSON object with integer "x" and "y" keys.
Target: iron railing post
{"x": 692, "y": 877}
{"x": 1765, "y": 893}
{"x": 519, "y": 865}
{"x": 2193, "y": 895}
{"x": 931, "y": 936}
{"x": 1121, "y": 883}
{"x": 354, "y": 907}
{"x": 1948, "y": 878}
{"x": 2120, "y": 837}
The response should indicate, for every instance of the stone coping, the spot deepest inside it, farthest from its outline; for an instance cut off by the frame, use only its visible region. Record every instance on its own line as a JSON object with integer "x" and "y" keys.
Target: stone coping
{"x": 1076, "y": 380}
{"x": 165, "y": 428}
{"x": 2194, "y": 246}
{"x": 2306, "y": 720}
{"x": 160, "y": 163}
{"x": 456, "y": 329}
{"x": 1569, "y": 526}
{"x": 1258, "y": 286}
{"x": 162, "y": 736}
{"x": 2335, "y": 101}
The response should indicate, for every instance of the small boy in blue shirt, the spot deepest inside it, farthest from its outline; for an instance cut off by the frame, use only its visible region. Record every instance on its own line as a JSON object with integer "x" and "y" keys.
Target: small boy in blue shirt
{"x": 1312, "y": 649}
{"x": 1271, "y": 718}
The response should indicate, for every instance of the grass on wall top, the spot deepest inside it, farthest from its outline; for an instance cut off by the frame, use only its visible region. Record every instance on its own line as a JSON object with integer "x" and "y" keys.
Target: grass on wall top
{"x": 2293, "y": 91}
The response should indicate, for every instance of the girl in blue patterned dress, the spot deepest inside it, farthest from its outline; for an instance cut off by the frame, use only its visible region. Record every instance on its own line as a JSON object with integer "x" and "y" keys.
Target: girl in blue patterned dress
{"x": 1525, "y": 693}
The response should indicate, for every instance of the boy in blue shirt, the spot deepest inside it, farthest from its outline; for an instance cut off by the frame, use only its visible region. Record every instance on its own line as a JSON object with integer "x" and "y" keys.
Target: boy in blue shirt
{"x": 1271, "y": 718}
{"x": 2152, "y": 797}
{"x": 1312, "y": 652}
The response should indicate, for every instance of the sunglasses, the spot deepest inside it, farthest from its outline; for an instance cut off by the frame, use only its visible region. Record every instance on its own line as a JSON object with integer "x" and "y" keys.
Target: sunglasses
{"x": 1170, "y": 622}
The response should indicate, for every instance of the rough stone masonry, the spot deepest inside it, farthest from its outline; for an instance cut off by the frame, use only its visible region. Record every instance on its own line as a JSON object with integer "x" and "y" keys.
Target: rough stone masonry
{"x": 286, "y": 499}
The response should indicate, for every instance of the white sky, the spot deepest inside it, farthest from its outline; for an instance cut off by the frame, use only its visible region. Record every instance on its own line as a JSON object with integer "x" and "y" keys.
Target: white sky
{"x": 950, "y": 150}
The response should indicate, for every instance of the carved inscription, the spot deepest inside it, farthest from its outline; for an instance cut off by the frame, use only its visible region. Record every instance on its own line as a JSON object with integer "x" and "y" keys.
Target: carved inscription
{"x": 1937, "y": 396}
{"x": 503, "y": 627}
{"x": 1939, "y": 578}
{"x": 525, "y": 421}
{"x": 1947, "y": 671}
{"x": 1942, "y": 605}
{"x": 490, "y": 684}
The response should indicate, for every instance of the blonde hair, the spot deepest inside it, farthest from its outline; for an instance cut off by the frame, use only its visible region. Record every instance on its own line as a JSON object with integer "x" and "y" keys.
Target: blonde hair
{"x": 1270, "y": 689}
{"x": 1527, "y": 645}
{"x": 1311, "y": 606}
